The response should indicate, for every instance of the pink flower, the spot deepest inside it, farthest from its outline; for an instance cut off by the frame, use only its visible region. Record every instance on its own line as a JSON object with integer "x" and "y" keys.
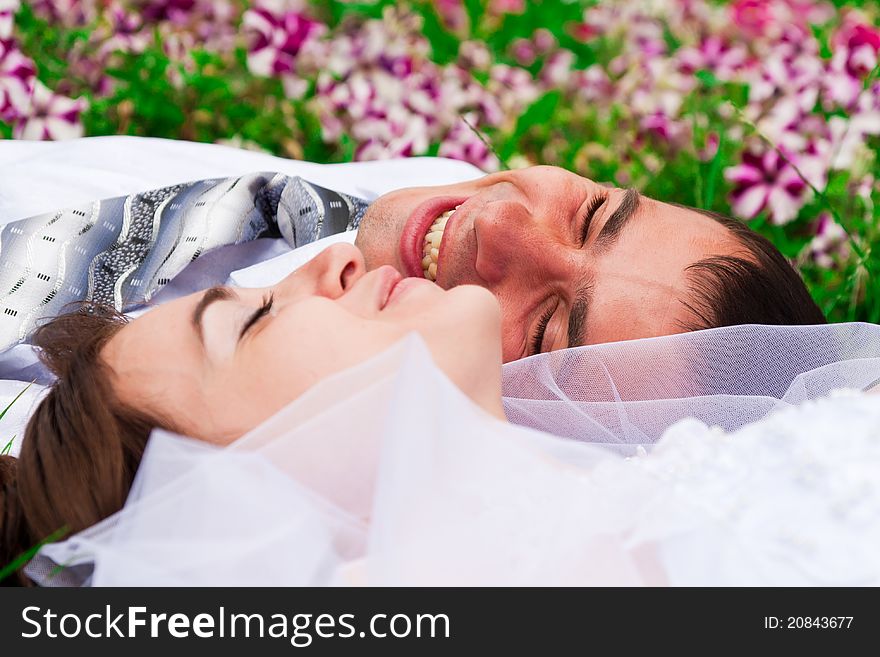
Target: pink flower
{"x": 714, "y": 54}
{"x": 474, "y": 55}
{"x": 861, "y": 43}
{"x": 50, "y": 116}
{"x": 584, "y": 32}
{"x": 17, "y": 74}
{"x": 126, "y": 33}
{"x": 462, "y": 144}
{"x": 755, "y": 17}
{"x": 593, "y": 84}
{"x": 453, "y": 14}
{"x": 710, "y": 147}
{"x": 70, "y": 13}
{"x": 855, "y": 46}
{"x": 669, "y": 132}
{"x": 766, "y": 181}
{"x": 167, "y": 10}
{"x": 544, "y": 41}
{"x": 499, "y": 7}
{"x": 830, "y": 244}
{"x": 7, "y": 17}
{"x": 523, "y": 51}
{"x": 557, "y": 70}
{"x": 277, "y": 39}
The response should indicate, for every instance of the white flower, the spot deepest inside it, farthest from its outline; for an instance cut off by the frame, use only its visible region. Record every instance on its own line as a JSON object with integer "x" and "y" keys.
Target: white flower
{"x": 50, "y": 116}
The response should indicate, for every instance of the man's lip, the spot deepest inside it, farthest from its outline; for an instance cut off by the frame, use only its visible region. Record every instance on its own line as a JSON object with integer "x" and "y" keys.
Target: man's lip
{"x": 412, "y": 237}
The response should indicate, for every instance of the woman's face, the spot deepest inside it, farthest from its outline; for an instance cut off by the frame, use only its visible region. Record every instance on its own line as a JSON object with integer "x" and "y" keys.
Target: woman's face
{"x": 219, "y": 362}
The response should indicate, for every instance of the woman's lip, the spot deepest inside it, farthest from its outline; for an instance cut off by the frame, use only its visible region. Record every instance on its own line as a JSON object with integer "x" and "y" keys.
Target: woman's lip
{"x": 403, "y": 286}
{"x": 388, "y": 277}
{"x": 412, "y": 236}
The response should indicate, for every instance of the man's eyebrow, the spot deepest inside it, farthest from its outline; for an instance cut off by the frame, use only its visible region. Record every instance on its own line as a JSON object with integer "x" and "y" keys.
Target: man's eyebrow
{"x": 212, "y": 294}
{"x": 618, "y": 219}
{"x": 577, "y": 318}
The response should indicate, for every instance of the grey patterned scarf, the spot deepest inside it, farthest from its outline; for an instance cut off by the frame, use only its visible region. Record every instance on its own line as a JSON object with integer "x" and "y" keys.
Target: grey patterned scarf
{"x": 121, "y": 251}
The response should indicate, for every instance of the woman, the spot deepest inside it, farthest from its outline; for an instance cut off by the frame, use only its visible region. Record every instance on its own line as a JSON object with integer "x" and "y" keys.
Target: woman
{"x": 451, "y": 494}
{"x": 214, "y": 365}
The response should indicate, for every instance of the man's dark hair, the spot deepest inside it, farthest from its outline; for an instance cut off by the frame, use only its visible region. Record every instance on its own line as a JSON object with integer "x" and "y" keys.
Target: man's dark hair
{"x": 760, "y": 287}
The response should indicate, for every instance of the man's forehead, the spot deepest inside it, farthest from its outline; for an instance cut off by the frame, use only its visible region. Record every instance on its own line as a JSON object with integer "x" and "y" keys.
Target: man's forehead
{"x": 642, "y": 286}
{"x": 698, "y": 225}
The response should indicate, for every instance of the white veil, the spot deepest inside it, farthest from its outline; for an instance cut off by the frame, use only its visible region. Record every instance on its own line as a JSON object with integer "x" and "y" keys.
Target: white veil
{"x": 388, "y": 474}
{"x": 631, "y": 392}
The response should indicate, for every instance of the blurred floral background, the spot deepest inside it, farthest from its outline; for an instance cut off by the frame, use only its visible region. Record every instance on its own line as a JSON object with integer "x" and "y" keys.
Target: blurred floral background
{"x": 768, "y": 110}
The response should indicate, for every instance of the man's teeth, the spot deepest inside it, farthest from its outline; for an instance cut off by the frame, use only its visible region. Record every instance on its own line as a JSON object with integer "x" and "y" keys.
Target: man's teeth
{"x": 431, "y": 246}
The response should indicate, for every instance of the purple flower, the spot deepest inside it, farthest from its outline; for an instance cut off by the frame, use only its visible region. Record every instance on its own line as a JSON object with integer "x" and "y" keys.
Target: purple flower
{"x": 593, "y": 84}
{"x": 861, "y": 43}
{"x": 7, "y": 17}
{"x": 461, "y": 143}
{"x": 830, "y": 244}
{"x": 754, "y": 17}
{"x": 474, "y": 55}
{"x": 453, "y": 14}
{"x": 50, "y": 116}
{"x": 557, "y": 70}
{"x": 523, "y": 51}
{"x": 155, "y": 11}
{"x": 507, "y": 6}
{"x": 69, "y": 13}
{"x": 856, "y": 47}
{"x": 669, "y": 132}
{"x": 277, "y": 39}
{"x": 17, "y": 74}
{"x": 767, "y": 181}
{"x": 710, "y": 147}
{"x": 716, "y": 55}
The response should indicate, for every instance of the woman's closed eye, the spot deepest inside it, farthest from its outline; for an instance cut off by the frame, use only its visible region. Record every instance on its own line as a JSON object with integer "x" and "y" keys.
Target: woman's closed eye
{"x": 261, "y": 312}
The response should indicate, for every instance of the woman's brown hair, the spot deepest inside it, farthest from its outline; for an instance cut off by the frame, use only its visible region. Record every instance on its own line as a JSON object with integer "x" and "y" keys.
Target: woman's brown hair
{"x": 81, "y": 447}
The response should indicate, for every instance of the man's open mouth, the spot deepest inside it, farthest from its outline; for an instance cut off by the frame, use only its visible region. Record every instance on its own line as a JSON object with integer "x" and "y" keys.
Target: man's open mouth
{"x": 431, "y": 244}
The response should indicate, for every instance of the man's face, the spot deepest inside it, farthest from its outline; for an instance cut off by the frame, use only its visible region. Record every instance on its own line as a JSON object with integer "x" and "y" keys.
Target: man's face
{"x": 572, "y": 262}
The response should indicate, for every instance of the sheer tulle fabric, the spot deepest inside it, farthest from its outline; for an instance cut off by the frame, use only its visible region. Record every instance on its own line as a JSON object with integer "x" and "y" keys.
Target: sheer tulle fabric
{"x": 629, "y": 393}
{"x": 388, "y": 474}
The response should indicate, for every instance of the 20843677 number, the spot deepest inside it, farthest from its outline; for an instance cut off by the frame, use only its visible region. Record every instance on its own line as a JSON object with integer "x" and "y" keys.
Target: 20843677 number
{"x": 808, "y": 622}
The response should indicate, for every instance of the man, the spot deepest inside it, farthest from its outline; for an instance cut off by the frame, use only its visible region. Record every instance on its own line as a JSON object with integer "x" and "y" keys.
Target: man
{"x": 574, "y": 262}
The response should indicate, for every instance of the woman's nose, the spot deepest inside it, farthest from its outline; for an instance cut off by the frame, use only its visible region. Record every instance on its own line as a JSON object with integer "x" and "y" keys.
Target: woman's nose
{"x": 330, "y": 273}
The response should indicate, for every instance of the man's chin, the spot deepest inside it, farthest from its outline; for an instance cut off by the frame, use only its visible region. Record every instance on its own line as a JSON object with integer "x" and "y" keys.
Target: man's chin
{"x": 377, "y": 238}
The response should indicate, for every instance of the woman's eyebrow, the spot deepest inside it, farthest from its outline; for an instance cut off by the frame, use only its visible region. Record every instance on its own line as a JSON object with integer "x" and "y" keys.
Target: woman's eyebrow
{"x": 618, "y": 219}
{"x": 212, "y": 294}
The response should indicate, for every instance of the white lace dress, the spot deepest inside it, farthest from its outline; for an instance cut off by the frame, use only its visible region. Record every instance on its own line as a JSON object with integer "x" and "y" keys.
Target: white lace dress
{"x": 386, "y": 474}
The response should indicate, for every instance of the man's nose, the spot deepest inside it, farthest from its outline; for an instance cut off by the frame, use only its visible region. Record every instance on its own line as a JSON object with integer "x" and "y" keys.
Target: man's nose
{"x": 515, "y": 246}
{"x": 329, "y": 274}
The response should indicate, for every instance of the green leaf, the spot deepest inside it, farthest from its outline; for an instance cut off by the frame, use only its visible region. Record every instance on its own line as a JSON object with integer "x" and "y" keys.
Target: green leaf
{"x": 475, "y": 10}
{"x": 707, "y": 78}
{"x": 714, "y": 174}
{"x": 444, "y": 46}
{"x": 23, "y": 558}
{"x": 8, "y": 448}
{"x": 17, "y": 397}
{"x": 538, "y": 113}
